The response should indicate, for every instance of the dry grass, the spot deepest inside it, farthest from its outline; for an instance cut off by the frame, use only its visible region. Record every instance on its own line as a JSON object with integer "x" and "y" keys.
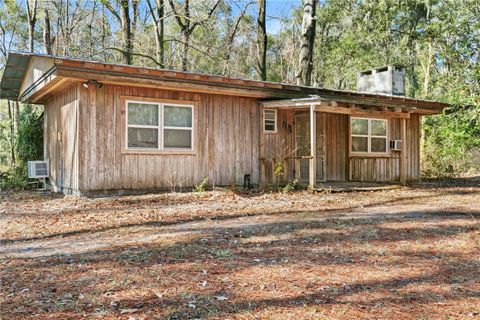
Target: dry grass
{"x": 400, "y": 254}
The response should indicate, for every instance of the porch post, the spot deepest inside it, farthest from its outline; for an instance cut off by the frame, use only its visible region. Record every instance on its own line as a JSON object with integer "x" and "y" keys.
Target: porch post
{"x": 403, "y": 155}
{"x": 313, "y": 147}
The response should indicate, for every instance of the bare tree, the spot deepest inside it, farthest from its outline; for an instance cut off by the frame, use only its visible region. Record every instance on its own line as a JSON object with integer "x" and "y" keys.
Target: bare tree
{"x": 305, "y": 63}
{"x": 232, "y": 31}
{"x": 158, "y": 16}
{"x": 47, "y": 33}
{"x": 187, "y": 26}
{"x": 32, "y": 20}
{"x": 127, "y": 25}
{"x": 261, "y": 40}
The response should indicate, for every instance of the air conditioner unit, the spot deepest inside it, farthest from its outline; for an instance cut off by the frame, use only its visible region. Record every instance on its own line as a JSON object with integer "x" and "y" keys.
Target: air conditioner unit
{"x": 38, "y": 169}
{"x": 396, "y": 145}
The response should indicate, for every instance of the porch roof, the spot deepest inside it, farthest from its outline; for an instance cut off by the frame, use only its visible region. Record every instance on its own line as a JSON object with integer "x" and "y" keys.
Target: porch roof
{"x": 352, "y": 106}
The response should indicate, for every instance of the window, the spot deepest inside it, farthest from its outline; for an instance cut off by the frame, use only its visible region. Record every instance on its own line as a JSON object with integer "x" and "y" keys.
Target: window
{"x": 270, "y": 120}
{"x": 369, "y": 135}
{"x": 159, "y": 126}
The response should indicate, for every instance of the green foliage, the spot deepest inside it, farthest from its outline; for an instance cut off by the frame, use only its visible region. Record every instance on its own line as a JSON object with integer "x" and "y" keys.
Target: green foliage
{"x": 29, "y": 145}
{"x": 452, "y": 143}
{"x": 279, "y": 168}
{"x": 14, "y": 178}
{"x": 202, "y": 186}
{"x": 291, "y": 186}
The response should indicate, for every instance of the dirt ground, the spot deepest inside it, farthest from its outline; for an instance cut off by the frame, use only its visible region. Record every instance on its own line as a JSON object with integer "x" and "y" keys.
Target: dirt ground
{"x": 411, "y": 253}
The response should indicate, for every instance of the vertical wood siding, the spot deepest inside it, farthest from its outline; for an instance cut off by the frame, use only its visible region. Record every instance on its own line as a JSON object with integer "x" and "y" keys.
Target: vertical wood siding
{"x": 61, "y": 138}
{"x": 337, "y": 146}
{"x": 387, "y": 168}
{"x": 226, "y": 135}
{"x": 278, "y": 147}
{"x": 230, "y": 142}
{"x": 339, "y": 166}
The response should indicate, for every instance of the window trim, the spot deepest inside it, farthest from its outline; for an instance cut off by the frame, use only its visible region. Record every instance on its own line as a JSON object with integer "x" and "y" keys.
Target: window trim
{"x": 160, "y": 127}
{"x": 275, "y": 120}
{"x": 369, "y": 137}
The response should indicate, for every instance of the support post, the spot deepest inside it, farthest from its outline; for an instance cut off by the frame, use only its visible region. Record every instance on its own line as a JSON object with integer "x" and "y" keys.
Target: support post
{"x": 313, "y": 148}
{"x": 403, "y": 156}
{"x": 261, "y": 142}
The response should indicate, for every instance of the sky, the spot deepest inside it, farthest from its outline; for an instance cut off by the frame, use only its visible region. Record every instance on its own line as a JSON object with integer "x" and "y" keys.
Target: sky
{"x": 275, "y": 9}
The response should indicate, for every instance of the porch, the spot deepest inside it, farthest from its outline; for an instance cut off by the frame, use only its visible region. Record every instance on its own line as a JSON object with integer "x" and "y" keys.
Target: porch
{"x": 312, "y": 143}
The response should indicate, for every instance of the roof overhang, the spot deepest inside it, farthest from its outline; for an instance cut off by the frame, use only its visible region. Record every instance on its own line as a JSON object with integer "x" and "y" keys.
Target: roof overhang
{"x": 13, "y": 75}
{"x": 335, "y": 106}
{"x": 35, "y": 78}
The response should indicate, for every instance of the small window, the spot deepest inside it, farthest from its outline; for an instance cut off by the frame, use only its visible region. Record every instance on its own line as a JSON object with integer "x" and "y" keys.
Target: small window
{"x": 369, "y": 135}
{"x": 270, "y": 120}
{"x": 158, "y": 126}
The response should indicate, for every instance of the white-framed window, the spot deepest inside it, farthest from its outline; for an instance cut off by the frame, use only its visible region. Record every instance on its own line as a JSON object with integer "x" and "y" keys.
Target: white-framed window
{"x": 369, "y": 135}
{"x": 270, "y": 120}
{"x": 159, "y": 126}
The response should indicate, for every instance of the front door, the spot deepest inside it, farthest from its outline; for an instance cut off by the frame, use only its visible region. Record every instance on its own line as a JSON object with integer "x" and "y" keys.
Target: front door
{"x": 302, "y": 147}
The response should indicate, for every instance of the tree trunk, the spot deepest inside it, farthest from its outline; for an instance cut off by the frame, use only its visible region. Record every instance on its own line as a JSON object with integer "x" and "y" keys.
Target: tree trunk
{"x": 126, "y": 31}
{"x": 161, "y": 33}
{"x": 305, "y": 63}
{"x": 186, "y": 44}
{"x": 133, "y": 26}
{"x": 186, "y": 35}
{"x": 261, "y": 41}
{"x": 232, "y": 31}
{"x": 159, "y": 26}
{"x": 47, "y": 35}
{"x": 32, "y": 20}
{"x": 411, "y": 70}
{"x": 426, "y": 80}
{"x": 187, "y": 27}
{"x": 17, "y": 114}
{"x": 12, "y": 132}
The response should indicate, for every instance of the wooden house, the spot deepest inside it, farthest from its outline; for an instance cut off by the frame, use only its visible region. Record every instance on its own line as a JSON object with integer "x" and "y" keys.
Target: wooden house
{"x": 113, "y": 128}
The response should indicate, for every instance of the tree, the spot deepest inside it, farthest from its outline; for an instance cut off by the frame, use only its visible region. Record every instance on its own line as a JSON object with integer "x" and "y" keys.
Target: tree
{"x": 262, "y": 40}
{"x": 158, "y": 17}
{"x": 12, "y": 131}
{"x": 32, "y": 20}
{"x": 187, "y": 26}
{"x": 232, "y": 31}
{"x": 47, "y": 33}
{"x": 128, "y": 26}
{"x": 305, "y": 64}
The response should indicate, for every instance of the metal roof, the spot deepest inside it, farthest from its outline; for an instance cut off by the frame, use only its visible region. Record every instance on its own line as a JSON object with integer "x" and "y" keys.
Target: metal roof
{"x": 17, "y": 64}
{"x": 13, "y": 75}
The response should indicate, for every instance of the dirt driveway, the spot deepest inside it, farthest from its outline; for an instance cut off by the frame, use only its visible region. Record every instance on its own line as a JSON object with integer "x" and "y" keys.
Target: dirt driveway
{"x": 404, "y": 254}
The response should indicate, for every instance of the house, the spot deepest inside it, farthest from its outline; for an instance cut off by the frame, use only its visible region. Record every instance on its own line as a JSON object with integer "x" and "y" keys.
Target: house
{"x": 113, "y": 128}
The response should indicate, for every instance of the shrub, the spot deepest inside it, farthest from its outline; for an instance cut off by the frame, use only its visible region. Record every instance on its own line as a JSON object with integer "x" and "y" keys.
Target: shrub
{"x": 291, "y": 186}
{"x": 14, "y": 178}
{"x": 451, "y": 143}
{"x": 202, "y": 186}
{"x": 29, "y": 142}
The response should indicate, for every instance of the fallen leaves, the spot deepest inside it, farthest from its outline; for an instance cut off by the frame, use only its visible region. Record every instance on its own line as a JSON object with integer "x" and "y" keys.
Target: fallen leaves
{"x": 376, "y": 255}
